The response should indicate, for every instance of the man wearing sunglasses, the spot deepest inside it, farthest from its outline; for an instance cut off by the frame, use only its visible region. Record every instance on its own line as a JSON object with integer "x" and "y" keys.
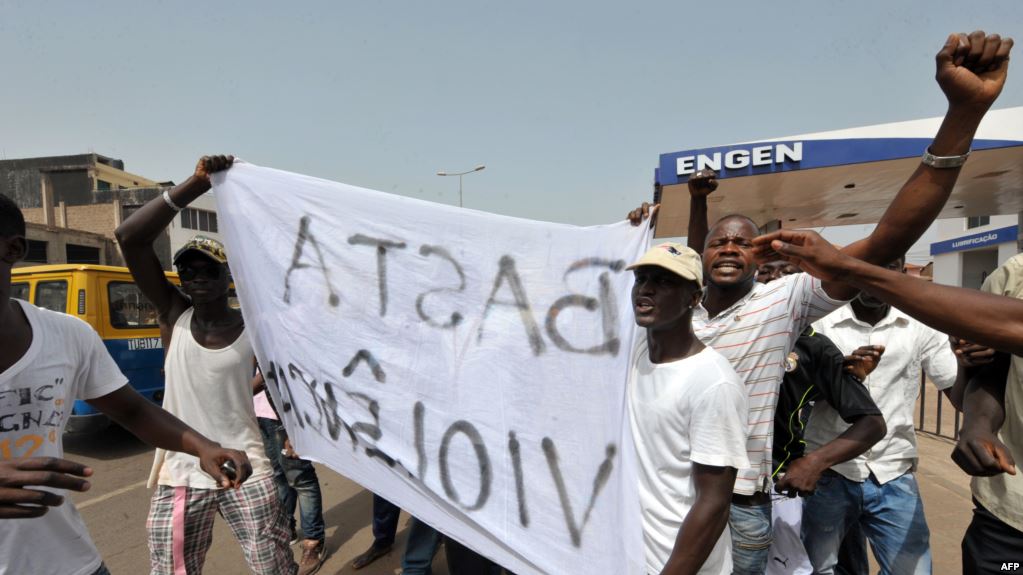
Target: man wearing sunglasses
{"x": 208, "y": 370}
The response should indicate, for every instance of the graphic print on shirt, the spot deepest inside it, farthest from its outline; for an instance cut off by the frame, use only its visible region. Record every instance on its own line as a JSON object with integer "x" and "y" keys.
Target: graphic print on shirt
{"x": 31, "y": 417}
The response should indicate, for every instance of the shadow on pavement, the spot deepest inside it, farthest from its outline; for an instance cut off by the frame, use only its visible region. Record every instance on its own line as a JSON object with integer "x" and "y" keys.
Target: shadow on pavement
{"x": 351, "y": 516}
{"x": 111, "y": 443}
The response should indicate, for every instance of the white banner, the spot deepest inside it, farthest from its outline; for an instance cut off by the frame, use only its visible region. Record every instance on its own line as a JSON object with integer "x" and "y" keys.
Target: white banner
{"x": 469, "y": 367}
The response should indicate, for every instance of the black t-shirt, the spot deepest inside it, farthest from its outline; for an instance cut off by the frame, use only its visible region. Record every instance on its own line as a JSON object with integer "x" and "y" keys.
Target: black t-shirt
{"x": 814, "y": 372}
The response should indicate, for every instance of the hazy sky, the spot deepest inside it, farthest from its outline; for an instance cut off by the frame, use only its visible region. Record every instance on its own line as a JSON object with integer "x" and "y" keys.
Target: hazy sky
{"x": 568, "y": 104}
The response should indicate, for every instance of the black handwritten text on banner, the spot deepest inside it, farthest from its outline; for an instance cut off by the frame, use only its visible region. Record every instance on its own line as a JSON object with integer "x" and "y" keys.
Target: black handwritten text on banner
{"x": 469, "y": 367}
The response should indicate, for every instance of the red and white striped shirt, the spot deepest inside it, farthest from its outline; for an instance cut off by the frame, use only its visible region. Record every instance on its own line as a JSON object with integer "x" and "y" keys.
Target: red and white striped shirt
{"x": 755, "y": 335}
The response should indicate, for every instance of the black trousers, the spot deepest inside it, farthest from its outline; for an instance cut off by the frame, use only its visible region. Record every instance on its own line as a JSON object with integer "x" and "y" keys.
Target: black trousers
{"x": 385, "y": 521}
{"x": 990, "y": 544}
{"x": 465, "y": 561}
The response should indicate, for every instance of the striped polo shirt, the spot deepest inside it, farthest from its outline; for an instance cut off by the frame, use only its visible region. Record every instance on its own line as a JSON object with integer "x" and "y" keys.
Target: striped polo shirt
{"x": 755, "y": 335}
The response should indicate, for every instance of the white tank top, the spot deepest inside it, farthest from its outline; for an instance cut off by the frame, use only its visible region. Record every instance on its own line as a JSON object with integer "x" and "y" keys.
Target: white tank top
{"x": 210, "y": 390}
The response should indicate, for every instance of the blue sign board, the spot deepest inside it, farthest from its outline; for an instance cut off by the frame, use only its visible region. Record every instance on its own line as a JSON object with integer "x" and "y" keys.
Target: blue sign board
{"x": 782, "y": 156}
{"x": 999, "y": 236}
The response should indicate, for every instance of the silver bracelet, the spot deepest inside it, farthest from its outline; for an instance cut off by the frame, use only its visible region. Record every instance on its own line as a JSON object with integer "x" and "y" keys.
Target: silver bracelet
{"x": 170, "y": 203}
{"x": 933, "y": 161}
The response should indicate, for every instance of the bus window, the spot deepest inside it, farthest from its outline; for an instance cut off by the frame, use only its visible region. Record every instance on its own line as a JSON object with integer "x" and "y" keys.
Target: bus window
{"x": 128, "y": 307}
{"x": 19, "y": 291}
{"x": 52, "y": 295}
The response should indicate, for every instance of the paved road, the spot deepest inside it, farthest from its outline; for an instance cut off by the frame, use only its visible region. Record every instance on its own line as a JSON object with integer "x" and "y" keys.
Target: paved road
{"x": 115, "y": 511}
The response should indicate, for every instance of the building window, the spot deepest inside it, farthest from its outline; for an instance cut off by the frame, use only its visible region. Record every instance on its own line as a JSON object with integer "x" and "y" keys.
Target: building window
{"x": 36, "y": 252}
{"x": 202, "y": 220}
{"x": 81, "y": 254}
{"x": 128, "y": 210}
{"x": 977, "y": 221}
{"x": 102, "y": 185}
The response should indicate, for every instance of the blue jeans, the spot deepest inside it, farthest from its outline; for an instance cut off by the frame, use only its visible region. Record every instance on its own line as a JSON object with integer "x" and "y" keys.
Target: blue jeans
{"x": 750, "y": 526}
{"x": 102, "y": 570}
{"x": 852, "y": 555}
{"x": 297, "y": 484}
{"x": 420, "y": 547}
{"x": 890, "y": 515}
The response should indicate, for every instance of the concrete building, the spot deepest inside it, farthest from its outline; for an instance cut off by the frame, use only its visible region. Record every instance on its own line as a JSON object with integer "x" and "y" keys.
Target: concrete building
{"x": 78, "y": 180}
{"x": 971, "y": 248}
{"x": 56, "y": 245}
{"x": 92, "y": 194}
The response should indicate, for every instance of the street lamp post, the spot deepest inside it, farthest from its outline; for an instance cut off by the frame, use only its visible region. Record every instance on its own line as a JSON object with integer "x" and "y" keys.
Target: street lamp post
{"x": 460, "y": 174}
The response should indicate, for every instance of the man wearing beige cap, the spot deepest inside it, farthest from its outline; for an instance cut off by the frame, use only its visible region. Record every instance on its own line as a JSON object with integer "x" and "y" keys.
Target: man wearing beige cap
{"x": 687, "y": 412}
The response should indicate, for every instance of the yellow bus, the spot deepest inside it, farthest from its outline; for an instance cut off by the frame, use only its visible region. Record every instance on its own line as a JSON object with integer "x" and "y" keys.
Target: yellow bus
{"x": 106, "y": 298}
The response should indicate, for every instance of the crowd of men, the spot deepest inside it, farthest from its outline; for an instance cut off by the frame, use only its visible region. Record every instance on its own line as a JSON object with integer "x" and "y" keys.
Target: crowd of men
{"x": 771, "y": 394}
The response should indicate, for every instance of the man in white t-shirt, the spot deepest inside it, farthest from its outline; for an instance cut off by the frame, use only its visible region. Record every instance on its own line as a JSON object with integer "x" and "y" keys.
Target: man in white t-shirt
{"x": 47, "y": 361}
{"x": 209, "y": 367}
{"x": 687, "y": 412}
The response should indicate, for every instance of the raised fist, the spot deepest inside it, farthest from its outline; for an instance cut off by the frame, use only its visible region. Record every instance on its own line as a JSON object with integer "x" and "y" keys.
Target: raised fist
{"x": 210, "y": 164}
{"x": 702, "y": 183}
{"x": 971, "y": 68}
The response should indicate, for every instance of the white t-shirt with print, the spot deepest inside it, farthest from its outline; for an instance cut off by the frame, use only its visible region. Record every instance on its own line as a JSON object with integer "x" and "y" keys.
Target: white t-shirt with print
{"x": 681, "y": 412}
{"x": 65, "y": 361}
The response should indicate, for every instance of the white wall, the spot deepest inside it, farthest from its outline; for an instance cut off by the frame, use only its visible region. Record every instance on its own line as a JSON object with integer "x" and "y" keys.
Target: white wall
{"x": 948, "y": 268}
{"x": 179, "y": 235}
{"x": 964, "y": 268}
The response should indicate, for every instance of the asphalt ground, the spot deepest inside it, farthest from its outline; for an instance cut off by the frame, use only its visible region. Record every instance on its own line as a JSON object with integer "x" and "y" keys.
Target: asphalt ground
{"x": 116, "y": 506}
{"x": 115, "y": 510}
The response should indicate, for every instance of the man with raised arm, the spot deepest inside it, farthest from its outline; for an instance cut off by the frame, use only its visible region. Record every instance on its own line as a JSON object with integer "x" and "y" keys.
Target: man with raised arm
{"x": 983, "y": 318}
{"x": 755, "y": 326}
{"x": 47, "y": 361}
{"x": 209, "y": 365}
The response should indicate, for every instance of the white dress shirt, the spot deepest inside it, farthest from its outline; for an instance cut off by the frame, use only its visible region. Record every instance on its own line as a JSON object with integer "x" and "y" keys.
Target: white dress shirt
{"x": 911, "y": 348}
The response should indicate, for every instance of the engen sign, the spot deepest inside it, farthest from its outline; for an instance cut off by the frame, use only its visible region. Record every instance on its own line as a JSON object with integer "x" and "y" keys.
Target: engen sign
{"x": 756, "y": 158}
{"x": 740, "y": 158}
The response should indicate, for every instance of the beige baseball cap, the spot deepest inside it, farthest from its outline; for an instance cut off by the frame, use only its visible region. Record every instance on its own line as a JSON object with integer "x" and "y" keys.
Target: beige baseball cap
{"x": 676, "y": 258}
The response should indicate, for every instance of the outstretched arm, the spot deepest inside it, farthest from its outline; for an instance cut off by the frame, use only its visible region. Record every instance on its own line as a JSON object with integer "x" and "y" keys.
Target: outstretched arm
{"x": 137, "y": 234}
{"x": 159, "y": 428}
{"x": 705, "y": 521}
{"x": 983, "y": 318}
{"x": 971, "y": 71}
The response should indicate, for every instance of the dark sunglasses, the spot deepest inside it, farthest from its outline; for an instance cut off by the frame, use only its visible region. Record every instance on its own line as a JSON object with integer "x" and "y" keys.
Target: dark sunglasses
{"x": 188, "y": 274}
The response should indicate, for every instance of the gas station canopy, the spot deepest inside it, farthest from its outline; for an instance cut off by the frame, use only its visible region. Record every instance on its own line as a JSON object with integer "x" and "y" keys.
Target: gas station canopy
{"x": 844, "y": 176}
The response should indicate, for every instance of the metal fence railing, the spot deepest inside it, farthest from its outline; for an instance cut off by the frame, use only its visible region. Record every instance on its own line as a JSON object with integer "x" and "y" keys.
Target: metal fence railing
{"x": 937, "y": 415}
